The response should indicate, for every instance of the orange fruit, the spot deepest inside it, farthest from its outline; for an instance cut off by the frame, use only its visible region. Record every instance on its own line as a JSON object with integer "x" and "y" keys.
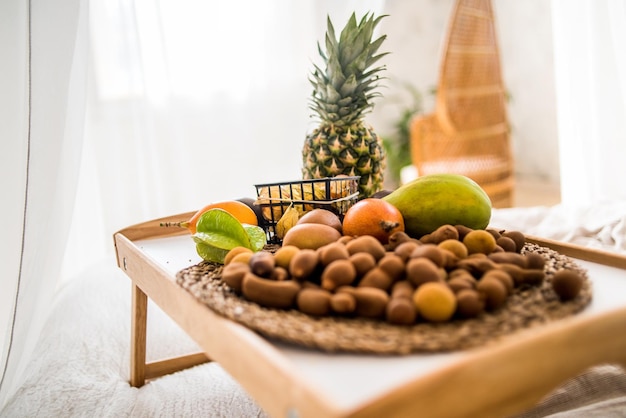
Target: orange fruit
{"x": 375, "y": 217}
{"x": 242, "y": 212}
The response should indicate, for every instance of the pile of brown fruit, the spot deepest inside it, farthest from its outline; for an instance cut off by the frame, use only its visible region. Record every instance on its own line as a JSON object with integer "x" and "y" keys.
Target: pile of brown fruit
{"x": 454, "y": 272}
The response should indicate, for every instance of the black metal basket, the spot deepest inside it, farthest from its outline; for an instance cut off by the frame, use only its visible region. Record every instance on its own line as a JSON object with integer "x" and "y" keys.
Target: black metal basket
{"x": 336, "y": 194}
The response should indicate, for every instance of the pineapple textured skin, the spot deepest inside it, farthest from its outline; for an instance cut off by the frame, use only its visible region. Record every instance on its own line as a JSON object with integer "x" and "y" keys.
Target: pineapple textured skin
{"x": 354, "y": 151}
{"x": 342, "y": 95}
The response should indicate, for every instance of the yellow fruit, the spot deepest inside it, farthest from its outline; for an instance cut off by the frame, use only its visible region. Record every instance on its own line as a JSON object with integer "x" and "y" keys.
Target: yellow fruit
{"x": 479, "y": 241}
{"x": 287, "y": 221}
{"x": 433, "y": 200}
{"x": 435, "y": 301}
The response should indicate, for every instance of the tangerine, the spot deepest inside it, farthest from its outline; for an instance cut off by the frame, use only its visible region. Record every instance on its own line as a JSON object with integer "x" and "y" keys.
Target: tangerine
{"x": 375, "y": 217}
{"x": 242, "y": 212}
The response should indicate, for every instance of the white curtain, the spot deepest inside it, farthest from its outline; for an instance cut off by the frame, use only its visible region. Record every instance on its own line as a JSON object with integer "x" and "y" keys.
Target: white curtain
{"x": 42, "y": 106}
{"x": 590, "y": 66}
{"x": 187, "y": 102}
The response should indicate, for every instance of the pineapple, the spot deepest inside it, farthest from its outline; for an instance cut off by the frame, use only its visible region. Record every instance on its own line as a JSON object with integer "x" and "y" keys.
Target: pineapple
{"x": 342, "y": 94}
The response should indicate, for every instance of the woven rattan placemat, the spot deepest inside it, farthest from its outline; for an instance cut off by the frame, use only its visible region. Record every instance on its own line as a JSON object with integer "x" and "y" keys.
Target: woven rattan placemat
{"x": 527, "y": 307}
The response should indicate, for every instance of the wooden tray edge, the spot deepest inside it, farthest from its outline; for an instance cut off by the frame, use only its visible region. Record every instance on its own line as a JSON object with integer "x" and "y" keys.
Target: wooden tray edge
{"x": 594, "y": 255}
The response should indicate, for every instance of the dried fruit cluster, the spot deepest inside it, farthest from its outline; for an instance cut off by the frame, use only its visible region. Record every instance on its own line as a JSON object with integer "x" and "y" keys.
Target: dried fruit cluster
{"x": 454, "y": 272}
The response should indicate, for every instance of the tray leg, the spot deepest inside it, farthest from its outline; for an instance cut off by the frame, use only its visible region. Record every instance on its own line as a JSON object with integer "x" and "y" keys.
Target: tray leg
{"x": 140, "y": 371}
{"x": 139, "y": 315}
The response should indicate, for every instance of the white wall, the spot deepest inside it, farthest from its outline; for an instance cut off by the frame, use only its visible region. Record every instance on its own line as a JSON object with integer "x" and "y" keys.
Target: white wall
{"x": 415, "y": 34}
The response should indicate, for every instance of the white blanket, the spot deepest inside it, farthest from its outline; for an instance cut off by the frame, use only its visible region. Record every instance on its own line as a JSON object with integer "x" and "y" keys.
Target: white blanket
{"x": 81, "y": 364}
{"x": 80, "y": 367}
{"x": 601, "y": 225}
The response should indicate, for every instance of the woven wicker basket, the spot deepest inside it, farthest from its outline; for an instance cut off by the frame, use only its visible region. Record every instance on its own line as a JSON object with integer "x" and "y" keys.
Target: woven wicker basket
{"x": 469, "y": 133}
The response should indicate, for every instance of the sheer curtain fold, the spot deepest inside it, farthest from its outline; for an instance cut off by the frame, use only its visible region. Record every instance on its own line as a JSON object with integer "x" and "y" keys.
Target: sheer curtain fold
{"x": 50, "y": 73}
{"x": 590, "y": 67}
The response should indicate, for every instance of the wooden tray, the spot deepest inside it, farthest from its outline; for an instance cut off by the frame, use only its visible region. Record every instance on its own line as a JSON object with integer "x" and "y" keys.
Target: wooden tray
{"x": 496, "y": 380}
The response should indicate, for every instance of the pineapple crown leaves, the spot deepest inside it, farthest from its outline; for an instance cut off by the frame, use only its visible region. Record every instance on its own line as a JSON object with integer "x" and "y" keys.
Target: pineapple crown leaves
{"x": 344, "y": 91}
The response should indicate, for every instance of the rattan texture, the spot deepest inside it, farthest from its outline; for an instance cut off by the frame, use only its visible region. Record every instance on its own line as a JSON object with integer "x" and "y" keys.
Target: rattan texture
{"x": 468, "y": 133}
{"x": 526, "y": 308}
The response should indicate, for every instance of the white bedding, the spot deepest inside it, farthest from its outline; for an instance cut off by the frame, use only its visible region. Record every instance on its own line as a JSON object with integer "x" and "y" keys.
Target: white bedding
{"x": 81, "y": 363}
{"x": 601, "y": 225}
{"x": 80, "y": 367}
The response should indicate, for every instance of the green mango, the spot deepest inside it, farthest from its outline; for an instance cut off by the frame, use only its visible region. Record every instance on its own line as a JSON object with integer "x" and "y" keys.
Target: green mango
{"x": 433, "y": 200}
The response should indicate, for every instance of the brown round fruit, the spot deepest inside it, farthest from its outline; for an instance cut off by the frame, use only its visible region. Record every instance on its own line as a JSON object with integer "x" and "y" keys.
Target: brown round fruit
{"x": 374, "y": 217}
{"x": 321, "y": 216}
{"x": 567, "y": 284}
{"x": 311, "y": 236}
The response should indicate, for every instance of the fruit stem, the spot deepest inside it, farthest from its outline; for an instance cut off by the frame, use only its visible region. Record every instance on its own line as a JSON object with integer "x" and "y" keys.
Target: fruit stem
{"x": 388, "y": 226}
{"x": 182, "y": 224}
